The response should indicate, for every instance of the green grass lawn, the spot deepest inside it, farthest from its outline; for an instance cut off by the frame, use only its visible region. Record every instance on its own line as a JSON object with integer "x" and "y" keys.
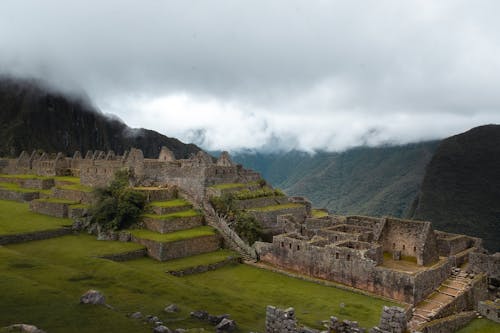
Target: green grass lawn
{"x": 186, "y": 213}
{"x": 57, "y": 200}
{"x": 170, "y": 203}
{"x": 275, "y": 207}
{"x": 41, "y": 283}
{"x": 15, "y": 217}
{"x": 318, "y": 213}
{"x": 15, "y": 187}
{"x": 174, "y": 236}
{"x": 481, "y": 325}
{"x": 70, "y": 179}
{"x": 76, "y": 187}
{"x": 25, "y": 176}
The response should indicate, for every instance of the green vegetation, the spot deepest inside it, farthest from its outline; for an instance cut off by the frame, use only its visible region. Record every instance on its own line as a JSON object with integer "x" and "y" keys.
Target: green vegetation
{"x": 15, "y": 187}
{"x": 275, "y": 207}
{"x": 260, "y": 193}
{"x": 43, "y": 280}
{"x": 248, "y": 228}
{"x": 69, "y": 179}
{"x": 170, "y": 203}
{"x": 76, "y": 187}
{"x": 173, "y": 236}
{"x": 186, "y": 213}
{"x": 24, "y": 176}
{"x": 80, "y": 206}
{"x": 16, "y": 218}
{"x": 57, "y": 200}
{"x": 319, "y": 213}
{"x": 178, "y": 264}
{"x": 117, "y": 206}
{"x": 227, "y": 186}
{"x": 481, "y": 325}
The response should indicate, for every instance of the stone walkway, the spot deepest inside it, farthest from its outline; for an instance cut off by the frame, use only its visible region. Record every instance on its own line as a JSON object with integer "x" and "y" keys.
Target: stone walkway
{"x": 427, "y": 310}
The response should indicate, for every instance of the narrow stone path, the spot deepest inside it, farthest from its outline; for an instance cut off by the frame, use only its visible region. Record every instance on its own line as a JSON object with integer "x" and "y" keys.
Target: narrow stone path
{"x": 429, "y": 308}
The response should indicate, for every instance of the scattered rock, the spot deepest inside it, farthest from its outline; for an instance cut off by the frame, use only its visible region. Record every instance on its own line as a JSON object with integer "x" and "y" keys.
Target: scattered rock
{"x": 24, "y": 328}
{"x": 171, "y": 308}
{"x": 215, "y": 320}
{"x": 136, "y": 315}
{"x": 201, "y": 315}
{"x": 153, "y": 319}
{"x": 93, "y": 297}
{"x": 180, "y": 330}
{"x": 226, "y": 325}
{"x": 161, "y": 329}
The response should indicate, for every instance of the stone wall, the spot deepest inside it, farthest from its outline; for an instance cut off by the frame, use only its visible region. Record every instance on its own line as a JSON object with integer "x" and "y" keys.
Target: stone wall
{"x": 490, "y": 309}
{"x": 173, "y": 224}
{"x": 184, "y": 248}
{"x": 73, "y": 195}
{"x": 40, "y": 184}
{"x": 32, "y": 236}
{"x": 12, "y": 195}
{"x": 449, "y": 324}
{"x": 55, "y": 209}
{"x": 125, "y": 256}
{"x": 269, "y": 218}
{"x": 411, "y": 238}
{"x": 427, "y": 281}
{"x": 393, "y": 320}
{"x": 489, "y": 264}
{"x": 205, "y": 268}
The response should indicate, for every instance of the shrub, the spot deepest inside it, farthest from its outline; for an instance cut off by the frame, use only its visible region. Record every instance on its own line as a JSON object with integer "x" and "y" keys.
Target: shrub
{"x": 117, "y": 206}
{"x": 248, "y": 228}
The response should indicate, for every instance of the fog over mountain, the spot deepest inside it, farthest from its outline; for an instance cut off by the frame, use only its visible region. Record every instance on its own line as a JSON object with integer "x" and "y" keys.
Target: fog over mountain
{"x": 275, "y": 75}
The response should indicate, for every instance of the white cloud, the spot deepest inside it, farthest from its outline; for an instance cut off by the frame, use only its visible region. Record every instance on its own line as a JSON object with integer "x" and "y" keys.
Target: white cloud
{"x": 274, "y": 74}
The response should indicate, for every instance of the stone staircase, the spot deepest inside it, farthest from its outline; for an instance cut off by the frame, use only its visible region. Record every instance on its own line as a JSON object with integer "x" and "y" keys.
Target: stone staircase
{"x": 429, "y": 309}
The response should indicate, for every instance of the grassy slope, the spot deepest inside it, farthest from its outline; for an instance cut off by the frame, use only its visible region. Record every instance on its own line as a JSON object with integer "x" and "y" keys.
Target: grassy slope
{"x": 481, "y": 325}
{"x": 369, "y": 181}
{"x": 42, "y": 282}
{"x": 16, "y": 217}
{"x": 170, "y": 203}
{"x": 186, "y": 213}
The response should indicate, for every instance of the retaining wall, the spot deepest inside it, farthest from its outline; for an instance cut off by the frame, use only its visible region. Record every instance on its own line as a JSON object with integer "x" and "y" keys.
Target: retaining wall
{"x": 18, "y": 196}
{"x": 173, "y": 224}
{"x": 32, "y": 236}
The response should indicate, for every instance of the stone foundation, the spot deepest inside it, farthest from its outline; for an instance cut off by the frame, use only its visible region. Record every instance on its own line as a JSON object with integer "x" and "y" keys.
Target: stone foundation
{"x": 490, "y": 309}
{"x": 205, "y": 268}
{"x": 32, "y": 236}
{"x": 170, "y": 210}
{"x": 280, "y": 321}
{"x": 73, "y": 195}
{"x": 184, "y": 248}
{"x": 56, "y": 209}
{"x": 18, "y": 196}
{"x": 448, "y": 324}
{"x": 126, "y": 255}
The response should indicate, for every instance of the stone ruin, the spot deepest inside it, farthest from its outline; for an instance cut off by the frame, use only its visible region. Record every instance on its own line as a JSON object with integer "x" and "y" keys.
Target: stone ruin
{"x": 97, "y": 168}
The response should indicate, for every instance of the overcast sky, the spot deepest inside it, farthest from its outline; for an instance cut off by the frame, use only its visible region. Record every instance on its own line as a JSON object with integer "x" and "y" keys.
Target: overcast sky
{"x": 268, "y": 74}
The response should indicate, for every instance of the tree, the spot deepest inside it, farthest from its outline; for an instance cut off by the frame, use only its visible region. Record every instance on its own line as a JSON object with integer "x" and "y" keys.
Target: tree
{"x": 117, "y": 206}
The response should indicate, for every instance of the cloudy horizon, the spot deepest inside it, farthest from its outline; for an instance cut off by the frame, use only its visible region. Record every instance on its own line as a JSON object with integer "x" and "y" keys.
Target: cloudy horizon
{"x": 273, "y": 75}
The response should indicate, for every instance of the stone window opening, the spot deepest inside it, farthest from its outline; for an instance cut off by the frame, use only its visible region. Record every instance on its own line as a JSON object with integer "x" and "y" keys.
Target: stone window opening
{"x": 403, "y": 246}
{"x": 290, "y": 245}
{"x": 348, "y": 257}
{"x": 282, "y": 244}
{"x": 336, "y": 255}
{"x": 414, "y": 249}
{"x": 298, "y": 247}
{"x": 393, "y": 246}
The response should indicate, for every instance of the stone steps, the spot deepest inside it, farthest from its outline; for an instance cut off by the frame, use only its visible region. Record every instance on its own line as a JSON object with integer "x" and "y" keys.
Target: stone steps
{"x": 429, "y": 308}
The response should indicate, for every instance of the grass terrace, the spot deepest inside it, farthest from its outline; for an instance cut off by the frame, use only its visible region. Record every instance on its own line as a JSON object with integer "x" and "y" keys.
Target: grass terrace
{"x": 319, "y": 213}
{"x": 481, "y": 325}
{"x": 276, "y": 207}
{"x": 69, "y": 179}
{"x": 76, "y": 187}
{"x": 56, "y": 200}
{"x": 16, "y": 218}
{"x": 260, "y": 193}
{"x": 173, "y": 236}
{"x": 187, "y": 213}
{"x": 227, "y": 186}
{"x": 15, "y": 187}
{"x": 170, "y": 203}
{"x": 25, "y": 176}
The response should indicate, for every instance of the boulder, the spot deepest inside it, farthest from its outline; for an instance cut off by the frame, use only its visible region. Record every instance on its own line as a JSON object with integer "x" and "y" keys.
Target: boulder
{"x": 214, "y": 320}
{"x": 226, "y": 325}
{"x": 161, "y": 329}
{"x": 24, "y": 328}
{"x": 136, "y": 315}
{"x": 93, "y": 297}
{"x": 171, "y": 308}
{"x": 199, "y": 314}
